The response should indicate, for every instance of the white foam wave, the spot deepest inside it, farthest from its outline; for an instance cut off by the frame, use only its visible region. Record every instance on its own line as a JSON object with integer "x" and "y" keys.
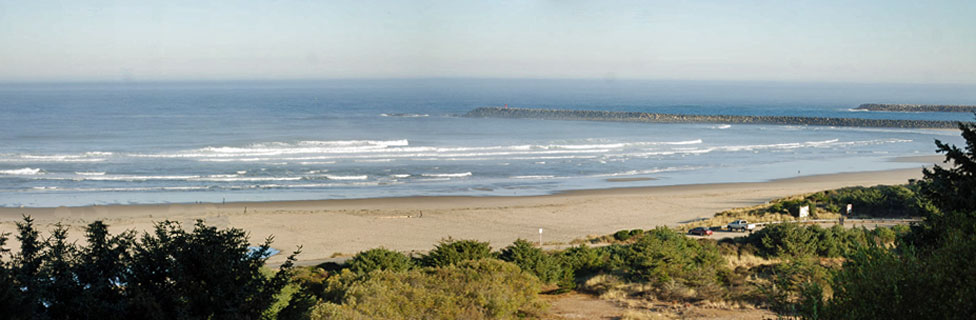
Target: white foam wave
{"x": 309, "y": 152}
{"x": 122, "y": 189}
{"x": 722, "y": 126}
{"x": 696, "y": 141}
{"x": 92, "y": 156}
{"x": 314, "y": 163}
{"x": 237, "y": 179}
{"x": 22, "y": 172}
{"x": 328, "y": 152}
{"x": 400, "y": 176}
{"x": 447, "y": 175}
{"x": 50, "y": 158}
{"x": 135, "y": 178}
{"x": 334, "y": 177}
{"x": 90, "y": 173}
{"x": 222, "y": 176}
{"x": 648, "y": 171}
{"x": 533, "y": 177}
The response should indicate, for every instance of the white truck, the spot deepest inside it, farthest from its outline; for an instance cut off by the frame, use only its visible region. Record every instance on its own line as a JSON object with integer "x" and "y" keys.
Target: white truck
{"x": 741, "y": 225}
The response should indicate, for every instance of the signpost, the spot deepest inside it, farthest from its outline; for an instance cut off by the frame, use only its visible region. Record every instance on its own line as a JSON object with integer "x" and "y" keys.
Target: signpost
{"x": 540, "y": 237}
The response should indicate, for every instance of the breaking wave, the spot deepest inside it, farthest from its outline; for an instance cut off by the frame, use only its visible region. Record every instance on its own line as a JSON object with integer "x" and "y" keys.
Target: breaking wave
{"x": 22, "y": 171}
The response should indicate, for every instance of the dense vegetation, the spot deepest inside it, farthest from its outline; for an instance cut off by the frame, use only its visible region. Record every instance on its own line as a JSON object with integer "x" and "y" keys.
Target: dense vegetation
{"x": 881, "y": 201}
{"x": 170, "y": 273}
{"x": 929, "y": 275}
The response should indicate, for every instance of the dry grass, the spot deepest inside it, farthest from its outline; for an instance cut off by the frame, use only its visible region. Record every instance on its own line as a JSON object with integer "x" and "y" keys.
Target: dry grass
{"x": 748, "y": 261}
{"x": 671, "y": 300}
{"x": 643, "y": 315}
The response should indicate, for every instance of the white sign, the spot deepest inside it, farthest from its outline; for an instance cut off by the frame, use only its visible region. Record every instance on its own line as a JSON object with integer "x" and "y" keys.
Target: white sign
{"x": 804, "y": 211}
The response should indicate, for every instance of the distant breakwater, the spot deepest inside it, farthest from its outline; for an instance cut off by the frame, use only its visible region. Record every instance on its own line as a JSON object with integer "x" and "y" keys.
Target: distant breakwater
{"x": 594, "y": 115}
{"x": 915, "y": 107}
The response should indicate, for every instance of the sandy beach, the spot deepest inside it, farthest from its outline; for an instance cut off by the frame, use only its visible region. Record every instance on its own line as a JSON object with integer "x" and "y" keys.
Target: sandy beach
{"x": 326, "y": 227}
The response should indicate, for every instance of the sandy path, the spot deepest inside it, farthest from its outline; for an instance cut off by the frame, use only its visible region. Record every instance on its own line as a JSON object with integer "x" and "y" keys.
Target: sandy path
{"x": 326, "y": 227}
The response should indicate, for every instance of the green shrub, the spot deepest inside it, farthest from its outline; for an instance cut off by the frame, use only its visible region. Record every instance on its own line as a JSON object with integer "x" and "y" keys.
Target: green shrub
{"x": 622, "y": 235}
{"x": 169, "y": 273}
{"x": 663, "y": 254}
{"x": 876, "y": 201}
{"x": 478, "y": 289}
{"x": 450, "y": 251}
{"x": 793, "y": 240}
{"x": 379, "y": 259}
{"x": 583, "y": 261}
{"x": 533, "y": 260}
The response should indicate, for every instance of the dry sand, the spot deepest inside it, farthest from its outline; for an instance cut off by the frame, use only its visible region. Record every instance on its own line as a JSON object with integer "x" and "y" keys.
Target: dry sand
{"x": 326, "y": 227}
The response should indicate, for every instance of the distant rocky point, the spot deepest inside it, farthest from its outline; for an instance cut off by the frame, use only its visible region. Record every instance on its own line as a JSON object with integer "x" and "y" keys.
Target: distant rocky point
{"x": 593, "y": 115}
{"x": 915, "y": 107}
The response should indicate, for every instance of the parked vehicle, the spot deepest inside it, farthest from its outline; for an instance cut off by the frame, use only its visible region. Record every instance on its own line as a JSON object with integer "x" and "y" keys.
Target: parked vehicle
{"x": 741, "y": 225}
{"x": 700, "y": 231}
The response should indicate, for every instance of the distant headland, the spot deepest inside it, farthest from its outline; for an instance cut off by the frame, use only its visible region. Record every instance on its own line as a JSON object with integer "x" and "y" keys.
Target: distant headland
{"x": 915, "y": 107}
{"x": 596, "y": 115}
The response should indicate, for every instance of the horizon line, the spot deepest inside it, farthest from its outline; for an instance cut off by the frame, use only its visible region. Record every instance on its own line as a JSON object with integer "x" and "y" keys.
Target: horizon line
{"x": 352, "y": 79}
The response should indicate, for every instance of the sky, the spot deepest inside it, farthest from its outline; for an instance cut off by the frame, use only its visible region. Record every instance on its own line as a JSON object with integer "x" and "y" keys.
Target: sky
{"x": 890, "y": 41}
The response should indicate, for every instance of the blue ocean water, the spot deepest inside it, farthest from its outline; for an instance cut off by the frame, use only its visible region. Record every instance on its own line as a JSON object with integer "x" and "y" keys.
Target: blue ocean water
{"x": 122, "y": 143}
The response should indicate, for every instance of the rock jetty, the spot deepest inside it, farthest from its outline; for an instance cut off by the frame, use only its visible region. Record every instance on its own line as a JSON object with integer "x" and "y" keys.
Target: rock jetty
{"x": 593, "y": 115}
{"x": 915, "y": 107}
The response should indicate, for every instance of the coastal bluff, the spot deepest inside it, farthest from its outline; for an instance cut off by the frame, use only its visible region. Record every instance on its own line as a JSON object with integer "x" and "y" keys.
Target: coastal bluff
{"x": 915, "y": 107}
{"x": 596, "y": 115}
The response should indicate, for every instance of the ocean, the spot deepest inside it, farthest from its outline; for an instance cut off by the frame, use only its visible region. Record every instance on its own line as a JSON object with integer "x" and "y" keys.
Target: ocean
{"x": 80, "y": 144}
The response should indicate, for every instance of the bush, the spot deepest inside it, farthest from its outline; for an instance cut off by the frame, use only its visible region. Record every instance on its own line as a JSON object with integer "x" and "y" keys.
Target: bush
{"x": 663, "y": 254}
{"x": 449, "y": 252}
{"x": 582, "y": 261}
{"x": 170, "y": 273}
{"x": 793, "y": 240}
{"x": 876, "y": 201}
{"x": 532, "y": 260}
{"x": 622, "y": 235}
{"x": 379, "y": 259}
{"x": 479, "y": 289}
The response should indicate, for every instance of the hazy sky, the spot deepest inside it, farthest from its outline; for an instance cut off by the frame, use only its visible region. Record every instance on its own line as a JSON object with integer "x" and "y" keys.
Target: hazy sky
{"x": 824, "y": 40}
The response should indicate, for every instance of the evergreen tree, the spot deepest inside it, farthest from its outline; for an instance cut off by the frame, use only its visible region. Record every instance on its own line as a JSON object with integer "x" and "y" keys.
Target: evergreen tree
{"x": 26, "y": 269}
{"x": 931, "y": 275}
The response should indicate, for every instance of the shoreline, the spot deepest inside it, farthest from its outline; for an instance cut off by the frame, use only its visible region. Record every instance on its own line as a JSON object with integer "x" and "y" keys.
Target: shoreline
{"x": 326, "y": 228}
{"x": 928, "y": 160}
